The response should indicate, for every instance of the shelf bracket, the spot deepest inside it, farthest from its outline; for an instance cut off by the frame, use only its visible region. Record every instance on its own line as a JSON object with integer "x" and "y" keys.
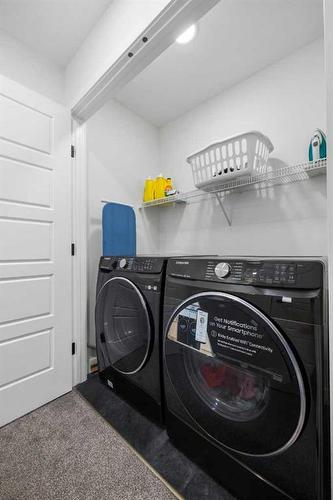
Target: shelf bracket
{"x": 223, "y": 209}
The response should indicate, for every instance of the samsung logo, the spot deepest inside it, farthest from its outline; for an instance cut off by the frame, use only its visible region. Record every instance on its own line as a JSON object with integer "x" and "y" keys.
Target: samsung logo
{"x": 181, "y": 262}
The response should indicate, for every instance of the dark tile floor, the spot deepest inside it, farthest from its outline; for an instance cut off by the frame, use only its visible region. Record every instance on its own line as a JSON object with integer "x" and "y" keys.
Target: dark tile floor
{"x": 152, "y": 442}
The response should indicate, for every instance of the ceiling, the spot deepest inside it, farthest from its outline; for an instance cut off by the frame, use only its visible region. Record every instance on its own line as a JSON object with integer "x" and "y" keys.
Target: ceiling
{"x": 55, "y": 28}
{"x": 235, "y": 39}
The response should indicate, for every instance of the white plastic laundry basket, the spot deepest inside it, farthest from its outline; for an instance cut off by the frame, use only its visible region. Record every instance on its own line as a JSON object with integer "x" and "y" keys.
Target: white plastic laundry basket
{"x": 240, "y": 155}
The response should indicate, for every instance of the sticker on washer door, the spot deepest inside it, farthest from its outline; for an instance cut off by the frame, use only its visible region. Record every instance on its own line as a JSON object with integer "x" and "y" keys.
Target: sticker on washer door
{"x": 190, "y": 329}
{"x": 201, "y": 326}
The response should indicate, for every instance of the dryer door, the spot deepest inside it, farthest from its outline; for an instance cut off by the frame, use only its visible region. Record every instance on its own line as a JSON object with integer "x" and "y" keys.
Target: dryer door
{"x": 123, "y": 325}
{"x": 235, "y": 374}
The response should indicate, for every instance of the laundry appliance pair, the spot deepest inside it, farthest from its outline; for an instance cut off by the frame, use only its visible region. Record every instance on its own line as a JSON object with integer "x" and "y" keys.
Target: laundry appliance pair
{"x": 241, "y": 360}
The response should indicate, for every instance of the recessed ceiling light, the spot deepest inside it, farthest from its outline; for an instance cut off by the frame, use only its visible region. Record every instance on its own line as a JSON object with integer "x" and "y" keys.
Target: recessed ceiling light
{"x": 188, "y": 34}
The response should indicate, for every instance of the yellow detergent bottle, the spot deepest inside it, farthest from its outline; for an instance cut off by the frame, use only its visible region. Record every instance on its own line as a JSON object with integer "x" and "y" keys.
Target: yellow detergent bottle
{"x": 160, "y": 183}
{"x": 168, "y": 186}
{"x": 148, "y": 192}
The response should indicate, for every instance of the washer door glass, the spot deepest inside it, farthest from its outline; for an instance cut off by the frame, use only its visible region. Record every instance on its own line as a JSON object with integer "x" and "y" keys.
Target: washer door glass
{"x": 123, "y": 323}
{"x": 235, "y": 374}
{"x": 235, "y": 393}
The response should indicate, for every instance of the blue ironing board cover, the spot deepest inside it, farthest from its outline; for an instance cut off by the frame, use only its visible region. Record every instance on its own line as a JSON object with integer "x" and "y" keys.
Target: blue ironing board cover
{"x": 119, "y": 230}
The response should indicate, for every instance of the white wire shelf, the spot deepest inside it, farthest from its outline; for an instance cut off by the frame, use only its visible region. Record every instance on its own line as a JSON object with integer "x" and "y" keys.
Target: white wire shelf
{"x": 277, "y": 176}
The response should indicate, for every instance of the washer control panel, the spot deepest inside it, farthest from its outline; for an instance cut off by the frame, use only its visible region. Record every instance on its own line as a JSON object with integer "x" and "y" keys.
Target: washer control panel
{"x": 282, "y": 273}
{"x": 133, "y": 264}
{"x": 275, "y": 273}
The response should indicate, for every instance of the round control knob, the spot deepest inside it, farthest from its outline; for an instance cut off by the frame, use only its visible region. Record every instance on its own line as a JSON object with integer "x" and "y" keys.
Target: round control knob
{"x": 123, "y": 263}
{"x": 222, "y": 270}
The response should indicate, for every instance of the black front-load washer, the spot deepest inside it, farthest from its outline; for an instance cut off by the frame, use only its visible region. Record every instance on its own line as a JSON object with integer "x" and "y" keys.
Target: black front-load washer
{"x": 128, "y": 324}
{"x": 246, "y": 373}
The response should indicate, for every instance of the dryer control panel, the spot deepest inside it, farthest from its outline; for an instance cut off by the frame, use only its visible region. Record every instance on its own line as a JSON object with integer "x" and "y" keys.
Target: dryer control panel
{"x": 132, "y": 264}
{"x": 282, "y": 273}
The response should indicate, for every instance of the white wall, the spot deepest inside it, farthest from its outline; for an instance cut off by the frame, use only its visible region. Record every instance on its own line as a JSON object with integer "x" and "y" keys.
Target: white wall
{"x": 122, "y": 151}
{"x": 28, "y": 68}
{"x": 286, "y": 101}
{"x": 121, "y": 24}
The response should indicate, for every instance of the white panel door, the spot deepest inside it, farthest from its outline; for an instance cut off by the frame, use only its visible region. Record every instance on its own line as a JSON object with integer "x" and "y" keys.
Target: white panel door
{"x": 35, "y": 260}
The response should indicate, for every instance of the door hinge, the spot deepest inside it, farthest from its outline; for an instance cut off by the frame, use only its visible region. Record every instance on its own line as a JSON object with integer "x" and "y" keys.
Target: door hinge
{"x": 72, "y": 151}
{"x": 73, "y": 348}
{"x": 73, "y": 249}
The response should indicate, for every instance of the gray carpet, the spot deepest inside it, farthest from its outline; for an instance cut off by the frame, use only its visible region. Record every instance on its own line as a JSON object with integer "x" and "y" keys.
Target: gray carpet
{"x": 65, "y": 450}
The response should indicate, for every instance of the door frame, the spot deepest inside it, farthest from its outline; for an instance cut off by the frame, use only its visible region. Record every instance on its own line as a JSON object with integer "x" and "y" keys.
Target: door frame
{"x": 158, "y": 35}
{"x": 79, "y": 251}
